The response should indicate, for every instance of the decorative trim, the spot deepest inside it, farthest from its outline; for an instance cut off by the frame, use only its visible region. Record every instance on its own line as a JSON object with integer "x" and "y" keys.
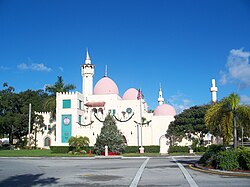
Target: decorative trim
{"x": 98, "y": 118}
{"x": 145, "y": 123}
{"x": 124, "y": 120}
{"x": 115, "y": 118}
{"x": 85, "y": 125}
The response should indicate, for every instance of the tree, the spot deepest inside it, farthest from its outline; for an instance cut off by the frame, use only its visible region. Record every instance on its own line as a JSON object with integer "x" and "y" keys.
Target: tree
{"x": 224, "y": 116}
{"x": 190, "y": 121}
{"x": 14, "y": 111}
{"x": 79, "y": 143}
{"x": 59, "y": 86}
{"x": 109, "y": 136}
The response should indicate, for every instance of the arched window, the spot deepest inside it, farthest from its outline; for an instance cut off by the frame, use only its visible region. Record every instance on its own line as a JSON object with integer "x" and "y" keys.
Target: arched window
{"x": 94, "y": 110}
{"x": 100, "y": 110}
{"x": 47, "y": 141}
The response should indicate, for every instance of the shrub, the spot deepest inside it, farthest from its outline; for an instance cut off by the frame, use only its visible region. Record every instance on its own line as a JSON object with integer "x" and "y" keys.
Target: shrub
{"x": 178, "y": 149}
{"x": 60, "y": 149}
{"x": 200, "y": 149}
{"x": 78, "y": 143}
{"x": 209, "y": 158}
{"x": 244, "y": 158}
{"x": 227, "y": 160}
{"x": 132, "y": 149}
{"x": 152, "y": 149}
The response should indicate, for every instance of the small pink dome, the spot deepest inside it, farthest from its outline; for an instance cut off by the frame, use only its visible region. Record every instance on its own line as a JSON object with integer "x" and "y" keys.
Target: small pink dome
{"x": 130, "y": 94}
{"x": 106, "y": 86}
{"x": 164, "y": 110}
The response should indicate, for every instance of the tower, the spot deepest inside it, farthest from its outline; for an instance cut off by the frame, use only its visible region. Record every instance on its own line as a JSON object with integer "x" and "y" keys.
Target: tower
{"x": 213, "y": 90}
{"x": 160, "y": 98}
{"x": 87, "y": 76}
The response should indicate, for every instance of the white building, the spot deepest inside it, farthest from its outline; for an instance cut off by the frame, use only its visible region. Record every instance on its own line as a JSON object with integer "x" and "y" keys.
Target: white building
{"x": 82, "y": 114}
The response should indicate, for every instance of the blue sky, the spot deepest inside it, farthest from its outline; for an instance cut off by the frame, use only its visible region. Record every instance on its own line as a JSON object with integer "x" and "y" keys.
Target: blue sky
{"x": 180, "y": 44}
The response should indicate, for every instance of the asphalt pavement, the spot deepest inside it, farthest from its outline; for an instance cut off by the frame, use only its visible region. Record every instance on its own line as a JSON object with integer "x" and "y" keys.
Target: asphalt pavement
{"x": 137, "y": 171}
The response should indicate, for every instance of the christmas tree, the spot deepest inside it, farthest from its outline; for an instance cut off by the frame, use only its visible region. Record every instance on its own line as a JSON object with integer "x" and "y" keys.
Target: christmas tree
{"x": 109, "y": 136}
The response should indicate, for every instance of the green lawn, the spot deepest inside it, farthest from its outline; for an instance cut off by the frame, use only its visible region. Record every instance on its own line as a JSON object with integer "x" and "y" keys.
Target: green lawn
{"x": 47, "y": 153}
{"x": 35, "y": 153}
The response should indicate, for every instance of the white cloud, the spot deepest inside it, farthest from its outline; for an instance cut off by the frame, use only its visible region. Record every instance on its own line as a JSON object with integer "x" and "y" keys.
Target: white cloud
{"x": 237, "y": 68}
{"x": 4, "y": 68}
{"x": 245, "y": 99}
{"x": 179, "y": 102}
{"x": 34, "y": 67}
{"x": 61, "y": 69}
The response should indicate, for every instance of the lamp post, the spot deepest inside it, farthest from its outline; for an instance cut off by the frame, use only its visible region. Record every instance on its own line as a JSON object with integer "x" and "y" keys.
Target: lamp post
{"x": 140, "y": 97}
{"x": 29, "y": 123}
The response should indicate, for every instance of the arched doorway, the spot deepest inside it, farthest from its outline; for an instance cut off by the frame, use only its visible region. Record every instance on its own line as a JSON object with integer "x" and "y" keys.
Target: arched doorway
{"x": 164, "y": 144}
{"x": 47, "y": 142}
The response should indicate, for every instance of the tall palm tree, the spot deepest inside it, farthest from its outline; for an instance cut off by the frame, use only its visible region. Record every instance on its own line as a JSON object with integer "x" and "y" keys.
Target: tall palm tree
{"x": 224, "y": 116}
{"x": 59, "y": 86}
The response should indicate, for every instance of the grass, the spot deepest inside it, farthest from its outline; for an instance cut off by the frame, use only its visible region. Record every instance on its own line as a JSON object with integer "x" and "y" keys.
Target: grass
{"x": 48, "y": 153}
{"x": 36, "y": 153}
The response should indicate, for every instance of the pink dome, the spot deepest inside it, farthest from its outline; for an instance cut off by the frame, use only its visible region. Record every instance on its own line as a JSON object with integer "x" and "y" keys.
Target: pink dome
{"x": 130, "y": 94}
{"x": 106, "y": 86}
{"x": 164, "y": 110}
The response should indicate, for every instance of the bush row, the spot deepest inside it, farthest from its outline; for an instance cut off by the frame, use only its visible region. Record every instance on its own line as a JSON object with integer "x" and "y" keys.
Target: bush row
{"x": 128, "y": 149}
{"x": 66, "y": 149}
{"x": 219, "y": 157}
{"x": 147, "y": 149}
{"x": 178, "y": 149}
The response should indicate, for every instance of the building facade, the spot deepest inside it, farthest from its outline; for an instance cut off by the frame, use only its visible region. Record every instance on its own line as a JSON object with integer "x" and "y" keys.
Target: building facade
{"x": 82, "y": 114}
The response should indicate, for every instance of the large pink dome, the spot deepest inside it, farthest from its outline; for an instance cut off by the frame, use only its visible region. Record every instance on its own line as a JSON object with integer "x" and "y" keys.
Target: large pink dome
{"x": 106, "y": 86}
{"x": 130, "y": 94}
{"x": 164, "y": 110}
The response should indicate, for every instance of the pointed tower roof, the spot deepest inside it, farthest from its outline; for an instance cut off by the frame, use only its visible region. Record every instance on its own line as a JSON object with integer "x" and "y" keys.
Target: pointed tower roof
{"x": 160, "y": 98}
{"x": 87, "y": 60}
{"x": 106, "y": 71}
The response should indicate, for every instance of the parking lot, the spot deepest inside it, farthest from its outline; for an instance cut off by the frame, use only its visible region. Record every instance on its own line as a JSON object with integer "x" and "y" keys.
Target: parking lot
{"x": 158, "y": 171}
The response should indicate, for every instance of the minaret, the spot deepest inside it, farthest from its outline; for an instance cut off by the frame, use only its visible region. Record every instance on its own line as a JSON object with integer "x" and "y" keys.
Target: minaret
{"x": 87, "y": 76}
{"x": 160, "y": 98}
{"x": 213, "y": 90}
{"x": 106, "y": 71}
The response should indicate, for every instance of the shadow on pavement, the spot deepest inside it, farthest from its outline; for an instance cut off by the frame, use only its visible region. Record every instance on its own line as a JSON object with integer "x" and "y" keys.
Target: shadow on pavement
{"x": 28, "y": 180}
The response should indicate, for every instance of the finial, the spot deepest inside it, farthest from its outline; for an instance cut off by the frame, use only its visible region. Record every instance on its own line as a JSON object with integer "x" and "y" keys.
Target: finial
{"x": 87, "y": 54}
{"x": 160, "y": 98}
{"x": 106, "y": 71}
{"x": 87, "y": 60}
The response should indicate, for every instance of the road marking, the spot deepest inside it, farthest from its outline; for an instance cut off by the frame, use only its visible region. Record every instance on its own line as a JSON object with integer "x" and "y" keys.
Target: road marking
{"x": 138, "y": 174}
{"x": 190, "y": 180}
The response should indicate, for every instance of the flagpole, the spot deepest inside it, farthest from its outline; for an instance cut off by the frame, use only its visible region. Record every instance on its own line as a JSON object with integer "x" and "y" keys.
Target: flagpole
{"x": 141, "y": 121}
{"x": 140, "y": 97}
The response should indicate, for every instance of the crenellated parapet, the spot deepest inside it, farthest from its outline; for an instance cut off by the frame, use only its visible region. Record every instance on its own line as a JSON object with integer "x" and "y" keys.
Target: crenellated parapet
{"x": 58, "y": 94}
{"x": 42, "y": 113}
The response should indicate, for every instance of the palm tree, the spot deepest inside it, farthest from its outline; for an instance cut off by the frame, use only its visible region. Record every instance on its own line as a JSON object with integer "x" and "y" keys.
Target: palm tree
{"x": 223, "y": 116}
{"x": 59, "y": 86}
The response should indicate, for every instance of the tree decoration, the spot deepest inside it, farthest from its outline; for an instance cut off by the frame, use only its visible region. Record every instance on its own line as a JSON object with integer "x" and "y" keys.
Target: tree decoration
{"x": 110, "y": 136}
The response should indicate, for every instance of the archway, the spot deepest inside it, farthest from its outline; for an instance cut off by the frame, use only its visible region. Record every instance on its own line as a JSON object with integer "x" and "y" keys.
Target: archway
{"x": 47, "y": 142}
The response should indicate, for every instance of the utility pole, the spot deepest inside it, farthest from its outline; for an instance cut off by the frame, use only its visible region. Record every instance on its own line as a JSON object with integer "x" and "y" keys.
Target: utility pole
{"x": 29, "y": 123}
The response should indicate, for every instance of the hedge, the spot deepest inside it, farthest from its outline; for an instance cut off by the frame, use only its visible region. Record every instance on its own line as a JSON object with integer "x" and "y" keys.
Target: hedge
{"x": 152, "y": 149}
{"x": 147, "y": 149}
{"x": 59, "y": 149}
{"x": 66, "y": 149}
{"x": 227, "y": 160}
{"x": 218, "y": 157}
{"x": 128, "y": 149}
{"x": 178, "y": 149}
